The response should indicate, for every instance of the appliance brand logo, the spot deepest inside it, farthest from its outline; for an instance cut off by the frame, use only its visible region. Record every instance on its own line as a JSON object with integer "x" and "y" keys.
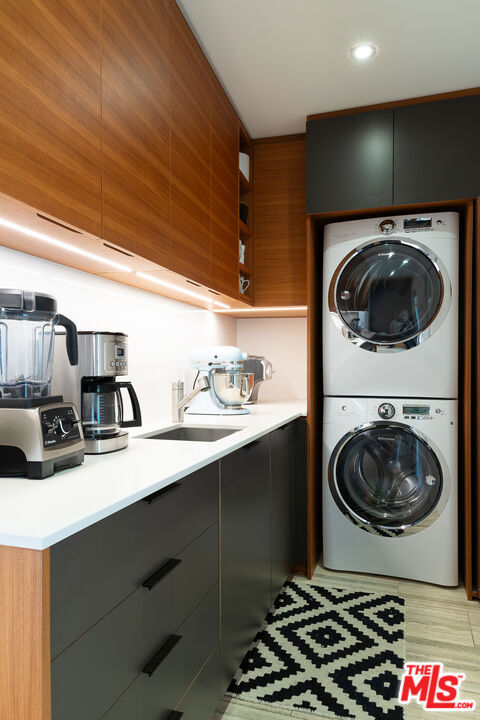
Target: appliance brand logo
{"x": 432, "y": 688}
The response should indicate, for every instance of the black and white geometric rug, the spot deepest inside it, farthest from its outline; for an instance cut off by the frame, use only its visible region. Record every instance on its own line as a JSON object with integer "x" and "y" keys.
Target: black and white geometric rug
{"x": 336, "y": 653}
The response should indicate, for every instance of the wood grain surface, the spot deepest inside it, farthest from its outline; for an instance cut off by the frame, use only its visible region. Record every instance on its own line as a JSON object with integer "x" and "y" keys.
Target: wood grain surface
{"x": 136, "y": 126}
{"x": 224, "y": 178}
{"x": 50, "y": 119}
{"x": 279, "y": 223}
{"x": 190, "y": 153}
{"x": 24, "y": 634}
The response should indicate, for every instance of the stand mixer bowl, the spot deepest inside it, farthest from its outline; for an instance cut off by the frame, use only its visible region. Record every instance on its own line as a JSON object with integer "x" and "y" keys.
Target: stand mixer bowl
{"x": 232, "y": 389}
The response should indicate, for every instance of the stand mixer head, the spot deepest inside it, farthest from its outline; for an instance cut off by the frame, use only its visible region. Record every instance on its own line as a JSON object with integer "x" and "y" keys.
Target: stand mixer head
{"x": 230, "y": 385}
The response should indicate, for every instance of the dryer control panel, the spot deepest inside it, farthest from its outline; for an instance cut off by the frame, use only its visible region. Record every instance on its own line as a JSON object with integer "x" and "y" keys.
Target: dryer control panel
{"x": 415, "y": 412}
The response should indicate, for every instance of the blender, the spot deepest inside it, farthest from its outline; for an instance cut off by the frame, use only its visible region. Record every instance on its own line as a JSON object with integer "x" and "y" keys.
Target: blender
{"x": 39, "y": 433}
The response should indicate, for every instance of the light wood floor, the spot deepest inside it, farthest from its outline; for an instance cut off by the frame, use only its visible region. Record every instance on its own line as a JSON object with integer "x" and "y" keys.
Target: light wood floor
{"x": 441, "y": 625}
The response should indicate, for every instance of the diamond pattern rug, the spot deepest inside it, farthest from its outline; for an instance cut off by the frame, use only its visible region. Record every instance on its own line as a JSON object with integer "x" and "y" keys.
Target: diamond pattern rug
{"x": 336, "y": 653}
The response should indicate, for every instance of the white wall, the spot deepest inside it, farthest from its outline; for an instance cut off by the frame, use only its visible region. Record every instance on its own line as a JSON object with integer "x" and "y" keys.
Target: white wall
{"x": 284, "y": 342}
{"x": 161, "y": 331}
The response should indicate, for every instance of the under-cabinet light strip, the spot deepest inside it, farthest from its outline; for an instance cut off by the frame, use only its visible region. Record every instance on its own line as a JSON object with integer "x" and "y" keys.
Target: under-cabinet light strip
{"x": 178, "y": 288}
{"x": 60, "y": 244}
{"x": 265, "y": 309}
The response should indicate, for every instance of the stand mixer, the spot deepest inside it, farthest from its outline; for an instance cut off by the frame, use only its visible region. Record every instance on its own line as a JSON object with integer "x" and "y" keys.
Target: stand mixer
{"x": 229, "y": 385}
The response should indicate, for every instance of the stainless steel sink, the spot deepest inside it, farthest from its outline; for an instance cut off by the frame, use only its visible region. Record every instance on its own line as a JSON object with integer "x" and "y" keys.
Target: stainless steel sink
{"x": 192, "y": 433}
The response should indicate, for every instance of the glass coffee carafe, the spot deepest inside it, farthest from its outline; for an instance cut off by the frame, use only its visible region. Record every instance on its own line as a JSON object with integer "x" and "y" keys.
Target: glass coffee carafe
{"x": 102, "y": 408}
{"x": 27, "y": 327}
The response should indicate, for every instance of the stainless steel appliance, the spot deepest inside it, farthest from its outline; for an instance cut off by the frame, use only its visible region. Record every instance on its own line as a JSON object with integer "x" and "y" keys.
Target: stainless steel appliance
{"x": 262, "y": 370}
{"x": 92, "y": 385}
{"x": 39, "y": 433}
{"x": 221, "y": 372}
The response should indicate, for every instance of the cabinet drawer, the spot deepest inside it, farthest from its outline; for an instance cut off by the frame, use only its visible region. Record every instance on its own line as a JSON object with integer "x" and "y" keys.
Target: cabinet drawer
{"x": 202, "y": 698}
{"x": 98, "y": 567}
{"x": 152, "y": 698}
{"x": 110, "y": 655}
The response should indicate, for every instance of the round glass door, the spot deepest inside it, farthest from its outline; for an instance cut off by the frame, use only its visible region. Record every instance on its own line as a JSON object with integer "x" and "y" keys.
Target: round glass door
{"x": 384, "y": 476}
{"x": 389, "y": 295}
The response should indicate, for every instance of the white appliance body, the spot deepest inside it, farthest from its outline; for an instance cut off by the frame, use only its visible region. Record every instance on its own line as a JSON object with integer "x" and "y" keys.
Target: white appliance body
{"x": 208, "y": 359}
{"x": 390, "y": 306}
{"x": 376, "y": 472}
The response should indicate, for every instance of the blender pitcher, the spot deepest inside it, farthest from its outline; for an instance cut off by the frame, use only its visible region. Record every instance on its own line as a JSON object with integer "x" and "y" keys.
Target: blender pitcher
{"x": 27, "y": 322}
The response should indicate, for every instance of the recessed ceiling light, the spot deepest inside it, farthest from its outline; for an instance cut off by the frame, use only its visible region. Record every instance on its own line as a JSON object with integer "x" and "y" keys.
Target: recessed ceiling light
{"x": 363, "y": 51}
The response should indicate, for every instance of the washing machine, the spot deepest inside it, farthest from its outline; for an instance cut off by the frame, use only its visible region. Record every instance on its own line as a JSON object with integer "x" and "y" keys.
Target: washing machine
{"x": 390, "y": 306}
{"x": 390, "y": 487}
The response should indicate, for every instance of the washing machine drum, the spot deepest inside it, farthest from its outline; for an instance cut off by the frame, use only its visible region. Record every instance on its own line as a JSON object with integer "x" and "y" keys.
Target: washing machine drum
{"x": 387, "y": 479}
{"x": 390, "y": 295}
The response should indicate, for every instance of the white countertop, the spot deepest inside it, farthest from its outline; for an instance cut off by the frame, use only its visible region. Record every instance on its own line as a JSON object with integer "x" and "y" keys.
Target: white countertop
{"x": 38, "y": 513}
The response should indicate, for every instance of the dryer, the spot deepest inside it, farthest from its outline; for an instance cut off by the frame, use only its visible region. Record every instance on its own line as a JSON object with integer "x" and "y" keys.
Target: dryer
{"x": 390, "y": 487}
{"x": 390, "y": 306}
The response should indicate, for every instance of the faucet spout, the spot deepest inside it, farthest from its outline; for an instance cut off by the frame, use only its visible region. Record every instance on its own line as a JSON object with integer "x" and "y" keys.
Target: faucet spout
{"x": 181, "y": 401}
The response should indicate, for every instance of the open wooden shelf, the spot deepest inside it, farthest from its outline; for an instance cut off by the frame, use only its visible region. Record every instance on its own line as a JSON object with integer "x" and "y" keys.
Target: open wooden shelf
{"x": 245, "y": 185}
{"x": 244, "y": 269}
{"x": 244, "y": 229}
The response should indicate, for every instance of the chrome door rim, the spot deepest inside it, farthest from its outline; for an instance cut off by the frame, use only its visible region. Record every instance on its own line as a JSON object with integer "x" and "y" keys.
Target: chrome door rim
{"x": 377, "y": 528}
{"x": 415, "y": 339}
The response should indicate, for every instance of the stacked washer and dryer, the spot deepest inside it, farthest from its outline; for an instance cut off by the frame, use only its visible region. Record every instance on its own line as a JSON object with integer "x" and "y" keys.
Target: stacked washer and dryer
{"x": 390, "y": 364}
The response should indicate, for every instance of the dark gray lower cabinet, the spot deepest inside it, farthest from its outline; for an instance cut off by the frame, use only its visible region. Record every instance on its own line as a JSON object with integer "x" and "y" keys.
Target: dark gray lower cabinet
{"x": 93, "y": 672}
{"x": 135, "y": 598}
{"x": 282, "y": 489}
{"x": 202, "y": 698}
{"x": 155, "y": 697}
{"x": 245, "y": 555}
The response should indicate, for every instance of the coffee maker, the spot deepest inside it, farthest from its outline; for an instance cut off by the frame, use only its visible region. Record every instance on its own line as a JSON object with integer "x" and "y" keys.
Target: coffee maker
{"x": 39, "y": 433}
{"x": 92, "y": 386}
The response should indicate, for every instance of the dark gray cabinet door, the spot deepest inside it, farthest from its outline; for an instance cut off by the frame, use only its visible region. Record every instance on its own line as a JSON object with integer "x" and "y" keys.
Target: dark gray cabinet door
{"x": 300, "y": 502}
{"x": 350, "y": 162}
{"x": 245, "y": 550}
{"x": 202, "y": 698}
{"x": 282, "y": 491}
{"x": 437, "y": 151}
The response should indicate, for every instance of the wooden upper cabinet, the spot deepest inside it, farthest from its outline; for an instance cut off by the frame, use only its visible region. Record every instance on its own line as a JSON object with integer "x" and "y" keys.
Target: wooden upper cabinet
{"x": 350, "y": 162}
{"x": 280, "y": 262}
{"x": 136, "y": 126}
{"x": 224, "y": 192}
{"x": 190, "y": 153}
{"x": 50, "y": 118}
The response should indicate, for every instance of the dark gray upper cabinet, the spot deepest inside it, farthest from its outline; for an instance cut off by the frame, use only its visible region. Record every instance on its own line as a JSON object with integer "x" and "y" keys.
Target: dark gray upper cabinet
{"x": 437, "y": 151}
{"x": 350, "y": 162}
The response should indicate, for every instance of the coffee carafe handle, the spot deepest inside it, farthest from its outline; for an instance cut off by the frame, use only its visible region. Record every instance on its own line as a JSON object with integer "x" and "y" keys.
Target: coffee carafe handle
{"x": 137, "y": 415}
{"x": 71, "y": 338}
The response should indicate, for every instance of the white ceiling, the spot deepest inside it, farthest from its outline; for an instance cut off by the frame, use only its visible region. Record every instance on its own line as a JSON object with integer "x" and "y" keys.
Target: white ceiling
{"x": 280, "y": 60}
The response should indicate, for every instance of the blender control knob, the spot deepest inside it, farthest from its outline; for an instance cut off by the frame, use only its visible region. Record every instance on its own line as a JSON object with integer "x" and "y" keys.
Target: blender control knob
{"x": 386, "y": 411}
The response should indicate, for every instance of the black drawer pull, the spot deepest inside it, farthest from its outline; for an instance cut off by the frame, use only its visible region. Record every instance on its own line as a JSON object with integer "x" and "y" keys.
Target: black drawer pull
{"x": 160, "y": 656}
{"x": 161, "y": 493}
{"x": 252, "y": 444}
{"x": 284, "y": 427}
{"x": 160, "y": 573}
{"x": 174, "y": 715}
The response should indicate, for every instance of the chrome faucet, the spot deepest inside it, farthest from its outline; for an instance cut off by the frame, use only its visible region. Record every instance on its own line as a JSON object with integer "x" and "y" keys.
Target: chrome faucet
{"x": 180, "y": 402}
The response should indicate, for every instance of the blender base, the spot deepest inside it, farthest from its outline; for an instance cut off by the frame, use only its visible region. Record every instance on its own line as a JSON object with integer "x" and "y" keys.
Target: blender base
{"x": 100, "y": 446}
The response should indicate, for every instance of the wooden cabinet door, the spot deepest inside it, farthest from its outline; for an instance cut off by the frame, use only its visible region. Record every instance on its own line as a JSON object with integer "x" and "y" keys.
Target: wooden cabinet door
{"x": 50, "y": 120}
{"x": 245, "y": 550}
{"x": 283, "y": 486}
{"x": 279, "y": 217}
{"x": 190, "y": 154}
{"x": 350, "y": 162}
{"x": 224, "y": 193}
{"x": 437, "y": 151}
{"x": 136, "y": 126}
